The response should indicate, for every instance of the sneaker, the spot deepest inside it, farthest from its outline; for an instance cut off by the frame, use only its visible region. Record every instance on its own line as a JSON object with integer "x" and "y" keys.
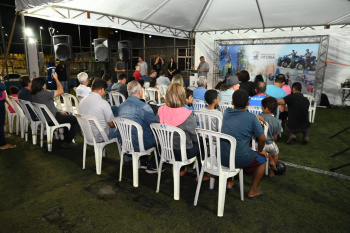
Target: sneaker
{"x": 305, "y": 140}
{"x": 69, "y": 145}
{"x": 291, "y": 139}
{"x": 151, "y": 170}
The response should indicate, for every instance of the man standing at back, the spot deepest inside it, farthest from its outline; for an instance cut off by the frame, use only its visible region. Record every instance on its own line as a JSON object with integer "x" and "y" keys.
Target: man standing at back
{"x": 61, "y": 70}
{"x": 199, "y": 92}
{"x": 276, "y": 90}
{"x": 137, "y": 74}
{"x": 136, "y": 110}
{"x": 260, "y": 88}
{"x": 144, "y": 68}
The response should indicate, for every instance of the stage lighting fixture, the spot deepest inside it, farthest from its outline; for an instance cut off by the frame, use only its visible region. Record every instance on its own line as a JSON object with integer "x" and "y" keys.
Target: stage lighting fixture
{"x": 31, "y": 40}
{"x": 150, "y": 36}
{"x": 29, "y": 32}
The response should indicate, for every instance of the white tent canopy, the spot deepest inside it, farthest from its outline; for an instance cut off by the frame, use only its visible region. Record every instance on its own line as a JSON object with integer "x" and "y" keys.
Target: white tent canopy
{"x": 177, "y": 18}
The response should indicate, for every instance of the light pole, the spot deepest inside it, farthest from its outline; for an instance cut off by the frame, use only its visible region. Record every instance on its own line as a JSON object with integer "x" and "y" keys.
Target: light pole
{"x": 41, "y": 39}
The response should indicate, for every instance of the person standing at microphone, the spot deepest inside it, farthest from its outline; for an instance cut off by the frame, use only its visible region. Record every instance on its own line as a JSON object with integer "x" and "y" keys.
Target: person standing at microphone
{"x": 203, "y": 67}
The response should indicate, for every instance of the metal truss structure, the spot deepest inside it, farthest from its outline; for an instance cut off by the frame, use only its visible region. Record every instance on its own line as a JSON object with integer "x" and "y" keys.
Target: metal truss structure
{"x": 322, "y": 40}
{"x": 68, "y": 15}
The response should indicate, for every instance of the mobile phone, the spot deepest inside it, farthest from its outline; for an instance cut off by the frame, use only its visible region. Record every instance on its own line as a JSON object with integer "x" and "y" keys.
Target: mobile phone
{"x": 53, "y": 70}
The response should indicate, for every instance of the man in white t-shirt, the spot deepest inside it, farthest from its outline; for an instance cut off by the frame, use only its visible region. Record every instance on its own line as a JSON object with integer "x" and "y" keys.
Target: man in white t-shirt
{"x": 83, "y": 90}
{"x": 144, "y": 67}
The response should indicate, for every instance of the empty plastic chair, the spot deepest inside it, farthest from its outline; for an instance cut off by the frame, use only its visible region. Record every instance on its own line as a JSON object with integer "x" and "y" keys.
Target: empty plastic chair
{"x": 116, "y": 98}
{"x": 71, "y": 103}
{"x": 23, "y": 121}
{"x": 125, "y": 128}
{"x": 11, "y": 118}
{"x": 212, "y": 165}
{"x": 312, "y": 107}
{"x": 151, "y": 93}
{"x": 95, "y": 136}
{"x": 164, "y": 135}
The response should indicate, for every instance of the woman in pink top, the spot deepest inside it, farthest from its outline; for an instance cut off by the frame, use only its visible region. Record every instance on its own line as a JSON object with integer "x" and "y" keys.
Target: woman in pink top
{"x": 14, "y": 93}
{"x": 174, "y": 113}
{"x": 286, "y": 87}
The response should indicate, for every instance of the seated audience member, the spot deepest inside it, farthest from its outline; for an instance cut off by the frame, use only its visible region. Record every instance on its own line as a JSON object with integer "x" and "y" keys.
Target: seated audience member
{"x": 232, "y": 85}
{"x": 287, "y": 88}
{"x": 276, "y": 90}
{"x": 83, "y": 89}
{"x": 137, "y": 75}
{"x": 269, "y": 106}
{"x": 14, "y": 93}
{"x": 108, "y": 79}
{"x": 198, "y": 93}
{"x": 242, "y": 125}
{"x": 43, "y": 96}
{"x": 298, "y": 114}
{"x": 136, "y": 110}
{"x": 212, "y": 99}
{"x": 178, "y": 79}
{"x": 153, "y": 84}
{"x": 245, "y": 84}
{"x": 95, "y": 105}
{"x": 120, "y": 86}
{"x": 258, "y": 78}
{"x": 142, "y": 83}
{"x": 26, "y": 83}
{"x": 189, "y": 99}
{"x": 174, "y": 113}
{"x": 162, "y": 80}
{"x": 260, "y": 88}
{"x": 153, "y": 74}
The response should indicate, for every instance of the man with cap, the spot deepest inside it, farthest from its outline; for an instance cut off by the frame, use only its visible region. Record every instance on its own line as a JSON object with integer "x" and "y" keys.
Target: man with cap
{"x": 232, "y": 84}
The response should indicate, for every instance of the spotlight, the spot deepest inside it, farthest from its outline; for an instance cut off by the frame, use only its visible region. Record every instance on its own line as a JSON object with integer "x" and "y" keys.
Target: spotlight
{"x": 31, "y": 40}
{"x": 41, "y": 28}
{"x": 116, "y": 31}
{"x": 150, "y": 36}
{"x": 29, "y": 32}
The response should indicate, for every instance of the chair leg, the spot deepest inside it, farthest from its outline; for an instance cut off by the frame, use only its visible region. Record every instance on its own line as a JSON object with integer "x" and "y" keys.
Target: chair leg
{"x": 34, "y": 127}
{"x": 222, "y": 195}
{"x": 176, "y": 175}
{"x": 241, "y": 184}
{"x": 17, "y": 124}
{"x": 267, "y": 166}
{"x": 159, "y": 174}
{"x": 26, "y": 125}
{"x": 49, "y": 138}
{"x": 135, "y": 169}
{"x": 97, "y": 159}
{"x": 211, "y": 182}
{"x": 198, "y": 186}
{"x": 21, "y": 124}
{"x": 42, "y": 135}
{"x": 84, "y": 154}
{"x": 121, "y": 165}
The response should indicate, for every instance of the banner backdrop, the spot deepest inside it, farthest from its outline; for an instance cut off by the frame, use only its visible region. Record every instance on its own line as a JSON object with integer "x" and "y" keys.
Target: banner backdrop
{"x": 296, "y": 61}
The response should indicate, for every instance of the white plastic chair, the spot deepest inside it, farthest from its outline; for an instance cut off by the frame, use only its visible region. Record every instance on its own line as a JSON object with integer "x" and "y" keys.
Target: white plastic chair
{"x": 125, "y": 129}
{"x": 164, "y": 135}
{"x": 42, "y": 111}
{"x": 116, "y": 98}
{"x": 223, "y": 105}
{"x": 23, "y": 121}
{"x": 255, "y": 144}
{"x": 146, "y": 84}
{"x": 255, "y": 109}
{"x": 212, "y": 165}
{"x": 312, "y": 107}
{"x": 95, "y": 136}
{"x": 162, "y": 88}
{"x": 59, "y": 105}
{"x": 198, "y": 104}
{"x": 80, "y": 98}
{"x": 75, "y": 89}
{"x": 208, "y": 120}
{"x": 34, "y": 124}
{"x": 151, "y": 92}
{"x": 11, "y": 118}
{"x": 68, "y": 99}
{"x": 191, "y": 87}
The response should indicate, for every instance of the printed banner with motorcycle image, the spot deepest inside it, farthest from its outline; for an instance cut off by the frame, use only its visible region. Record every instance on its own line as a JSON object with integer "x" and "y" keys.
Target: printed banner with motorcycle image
{"x": 296, "y": 61}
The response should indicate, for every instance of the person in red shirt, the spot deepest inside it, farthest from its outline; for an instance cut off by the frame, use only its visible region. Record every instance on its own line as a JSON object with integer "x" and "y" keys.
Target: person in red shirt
{"x": 137, "y": 74}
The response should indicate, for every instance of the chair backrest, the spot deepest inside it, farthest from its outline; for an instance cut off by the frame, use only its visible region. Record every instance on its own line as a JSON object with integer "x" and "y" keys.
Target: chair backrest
{"x": 59, "y": 105}
{"x": 75, "y": 89}
{"x": 146, "y": 84}
{"x": 68, "y": 99}
{"x": 255, "y": 109}
{"x": 152, "y": 94}
{"x": 162, "y": 88}
{"x": 198, "y": 104}
{"x": 212, "y": 158}
{"x": 209, "y": 120}
{"x": 223, "y": 105}
{"x": 14, "y": 103}
{"x": 191, "y": 87}
{"x": 125, "y": 129}
{"x": 266, "y": 129}
{"x": 116, "y": 98}
{"x": 26, "y": 105}
{"x": 43, "y": 112}
{"x": 92, "y": 129}
{"x": 164, "y": 135}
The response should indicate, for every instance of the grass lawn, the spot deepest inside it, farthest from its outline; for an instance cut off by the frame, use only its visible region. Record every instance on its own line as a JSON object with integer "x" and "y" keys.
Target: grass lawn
{"x": 50, "y": 192}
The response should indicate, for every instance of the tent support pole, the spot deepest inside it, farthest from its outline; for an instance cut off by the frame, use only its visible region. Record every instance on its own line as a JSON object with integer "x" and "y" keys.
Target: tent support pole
{"x": 25, "y": 39}
{"x": 144, "y": 47}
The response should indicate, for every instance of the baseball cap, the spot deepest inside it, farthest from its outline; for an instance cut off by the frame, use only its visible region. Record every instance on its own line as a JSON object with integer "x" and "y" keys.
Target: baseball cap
{"x": 232, "y": 80}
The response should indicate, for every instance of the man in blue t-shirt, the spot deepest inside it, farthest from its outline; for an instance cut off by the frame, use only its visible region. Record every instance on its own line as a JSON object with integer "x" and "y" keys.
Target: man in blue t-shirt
{"x": 260, "y": 88}
{"x": 242, "y": 125}
{"x": 276, "y": 90}
{"x": 199, "y": 92}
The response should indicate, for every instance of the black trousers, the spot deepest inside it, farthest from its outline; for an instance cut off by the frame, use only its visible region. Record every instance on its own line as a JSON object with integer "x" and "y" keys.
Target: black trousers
{"x": 2, "y": 122}
{"x": 69, "y": 134}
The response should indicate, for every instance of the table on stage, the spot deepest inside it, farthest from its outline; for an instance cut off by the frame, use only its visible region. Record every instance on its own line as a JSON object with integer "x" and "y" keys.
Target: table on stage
{"x": 344, "y": 94}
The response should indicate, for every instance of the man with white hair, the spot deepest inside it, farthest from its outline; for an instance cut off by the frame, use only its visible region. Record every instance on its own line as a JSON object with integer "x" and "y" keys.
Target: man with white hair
{"x": 136, "y": 110}
{"x": 83, "y": 90}
{"x": 199, "y": 92}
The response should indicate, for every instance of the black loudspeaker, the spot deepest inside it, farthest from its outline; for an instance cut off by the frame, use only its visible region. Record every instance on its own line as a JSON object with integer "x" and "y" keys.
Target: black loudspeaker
{"x": 62, "y": 46}
{"x": 124, "y": 50}
{"x": 101, "y": 49}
